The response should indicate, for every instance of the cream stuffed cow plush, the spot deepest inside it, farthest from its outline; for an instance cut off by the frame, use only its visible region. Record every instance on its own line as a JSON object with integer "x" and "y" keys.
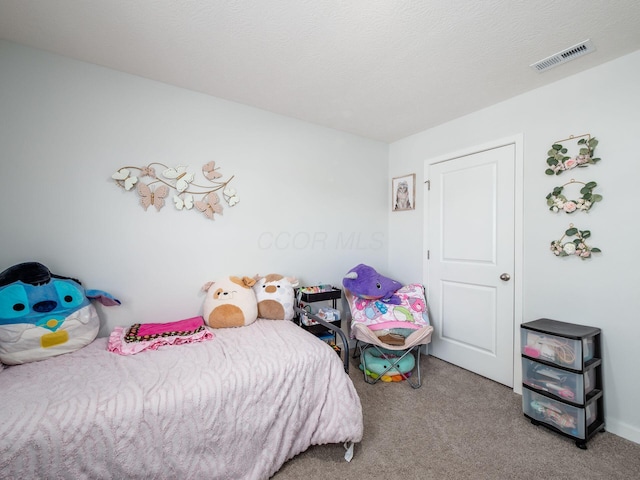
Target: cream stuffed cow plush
{"x": 275, "y": 296}
{"x": 230, "y": 302}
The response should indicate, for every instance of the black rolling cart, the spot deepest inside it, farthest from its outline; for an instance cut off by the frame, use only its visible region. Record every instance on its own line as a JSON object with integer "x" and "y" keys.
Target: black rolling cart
{"x": 562, "y": 378}
{"x": 325, "y": 329}
{"x": 329, "y": 295}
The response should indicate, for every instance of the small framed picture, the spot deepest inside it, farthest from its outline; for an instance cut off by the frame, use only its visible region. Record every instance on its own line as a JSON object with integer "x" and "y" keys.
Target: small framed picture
{"x": 403, "y": 193}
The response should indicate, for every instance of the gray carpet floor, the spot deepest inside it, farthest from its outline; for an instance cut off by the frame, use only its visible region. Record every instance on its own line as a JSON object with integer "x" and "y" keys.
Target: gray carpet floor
{"x": 459, "y": 425}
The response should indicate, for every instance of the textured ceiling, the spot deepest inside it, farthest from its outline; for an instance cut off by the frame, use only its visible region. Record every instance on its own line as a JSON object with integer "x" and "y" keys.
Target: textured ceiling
{"x": 382, "y": 69}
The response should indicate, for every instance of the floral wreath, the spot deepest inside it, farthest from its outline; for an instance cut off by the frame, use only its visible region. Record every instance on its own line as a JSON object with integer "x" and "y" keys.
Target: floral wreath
{"x": 576, "y": 246}
{"x": 559, "y": 162}
{"x": 180, "y": 180}
{"x": 558, "y": 202}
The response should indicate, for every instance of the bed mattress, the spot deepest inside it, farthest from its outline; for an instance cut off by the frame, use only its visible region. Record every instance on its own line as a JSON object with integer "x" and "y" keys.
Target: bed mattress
{"x": 234, "y": 407}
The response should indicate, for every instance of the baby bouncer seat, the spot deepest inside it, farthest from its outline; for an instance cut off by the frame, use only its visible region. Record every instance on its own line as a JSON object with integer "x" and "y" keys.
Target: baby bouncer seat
{"x": 389, "y": 330}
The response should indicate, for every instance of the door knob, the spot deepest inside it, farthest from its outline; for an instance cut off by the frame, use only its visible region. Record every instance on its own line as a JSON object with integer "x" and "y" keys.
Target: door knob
{"x": 505, "y": 276}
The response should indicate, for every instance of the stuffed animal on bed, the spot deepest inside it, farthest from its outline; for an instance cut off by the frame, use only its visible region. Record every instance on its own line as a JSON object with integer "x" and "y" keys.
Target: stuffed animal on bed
{"x": 275, "y": 296}
{"x": 230, "y": 302}
{"x": 43, "y": 315}
{"x": 364, "y": 282}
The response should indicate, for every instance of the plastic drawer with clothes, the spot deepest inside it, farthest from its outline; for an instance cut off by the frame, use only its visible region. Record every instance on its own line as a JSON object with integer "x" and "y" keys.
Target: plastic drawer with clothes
{"x": 561, "y": 351}
{"x": 570, "y": 420}
{"x": 563, "y": 384}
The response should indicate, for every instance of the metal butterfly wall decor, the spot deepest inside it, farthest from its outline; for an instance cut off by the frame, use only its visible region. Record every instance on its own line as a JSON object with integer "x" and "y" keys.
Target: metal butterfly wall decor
{"x": 188, "y": 194}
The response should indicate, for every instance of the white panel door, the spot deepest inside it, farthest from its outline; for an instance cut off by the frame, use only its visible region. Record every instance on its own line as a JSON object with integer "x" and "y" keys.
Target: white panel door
{"x": 470, "y": 237}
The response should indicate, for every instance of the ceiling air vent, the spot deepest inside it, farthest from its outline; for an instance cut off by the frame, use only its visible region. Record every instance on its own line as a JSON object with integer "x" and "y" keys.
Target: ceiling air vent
{"x": 564, "y": 56}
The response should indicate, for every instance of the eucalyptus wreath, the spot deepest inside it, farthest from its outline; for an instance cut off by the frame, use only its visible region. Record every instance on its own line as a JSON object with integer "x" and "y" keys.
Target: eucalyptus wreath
{"x": 559, "y": 162}
{"x": 557, "y": 202}
{"x": 577, "y": 246}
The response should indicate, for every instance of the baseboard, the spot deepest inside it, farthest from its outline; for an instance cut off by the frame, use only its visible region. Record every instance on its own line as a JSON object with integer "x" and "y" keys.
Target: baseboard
{"x": 623, "y": 430}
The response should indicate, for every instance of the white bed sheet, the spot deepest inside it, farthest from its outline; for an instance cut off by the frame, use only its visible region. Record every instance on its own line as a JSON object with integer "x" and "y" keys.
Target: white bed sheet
{"x": 235, "y": 407}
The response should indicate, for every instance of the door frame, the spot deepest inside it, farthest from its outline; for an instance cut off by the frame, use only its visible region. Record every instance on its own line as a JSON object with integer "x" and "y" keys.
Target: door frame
{"x": 518, "y": 142}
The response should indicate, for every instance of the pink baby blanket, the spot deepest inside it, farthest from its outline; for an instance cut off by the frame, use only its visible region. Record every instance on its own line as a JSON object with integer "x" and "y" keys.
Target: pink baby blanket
{"x": 412, "y": 313}
{"x": 151, "y": 336}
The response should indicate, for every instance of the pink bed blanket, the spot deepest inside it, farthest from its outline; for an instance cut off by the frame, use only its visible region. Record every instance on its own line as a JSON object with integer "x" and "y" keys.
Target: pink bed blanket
{"x": 237, "y": 407}
{"x": 151, "y": 336}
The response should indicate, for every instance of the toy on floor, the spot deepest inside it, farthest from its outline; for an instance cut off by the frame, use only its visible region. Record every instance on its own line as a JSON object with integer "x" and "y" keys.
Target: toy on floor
{"x": 43, "y": 315}
{"x": 363, "y": 281}
{"x": 378, "y": 361}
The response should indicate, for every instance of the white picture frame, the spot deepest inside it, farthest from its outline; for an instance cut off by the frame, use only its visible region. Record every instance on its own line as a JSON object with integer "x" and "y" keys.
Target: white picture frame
{"x": 403, "y": 193}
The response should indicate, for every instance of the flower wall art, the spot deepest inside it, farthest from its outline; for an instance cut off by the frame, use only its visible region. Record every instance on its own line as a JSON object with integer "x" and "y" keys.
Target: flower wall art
{"x": 558, "y": 161}
{"x": 558, "y": 202}
{"x": 578, "y": 154}
{"x": 576, "y": 246}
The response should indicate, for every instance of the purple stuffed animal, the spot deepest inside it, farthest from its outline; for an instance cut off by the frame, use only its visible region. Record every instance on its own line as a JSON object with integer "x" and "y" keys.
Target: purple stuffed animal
{"x": 364, "y": 282}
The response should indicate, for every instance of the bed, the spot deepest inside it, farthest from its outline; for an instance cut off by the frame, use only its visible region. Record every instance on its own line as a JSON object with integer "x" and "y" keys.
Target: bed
{"x": 237, "y": 406}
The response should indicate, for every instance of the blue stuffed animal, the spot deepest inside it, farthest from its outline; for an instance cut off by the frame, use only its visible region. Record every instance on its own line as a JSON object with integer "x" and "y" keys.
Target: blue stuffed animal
{"x": 43, "y": 314}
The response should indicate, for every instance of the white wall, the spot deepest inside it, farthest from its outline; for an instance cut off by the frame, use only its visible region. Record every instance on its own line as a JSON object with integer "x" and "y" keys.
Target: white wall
{"x": 601, "y": 292}
{"x": 312, "y": 200}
